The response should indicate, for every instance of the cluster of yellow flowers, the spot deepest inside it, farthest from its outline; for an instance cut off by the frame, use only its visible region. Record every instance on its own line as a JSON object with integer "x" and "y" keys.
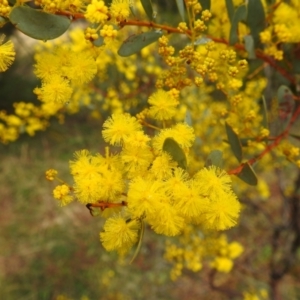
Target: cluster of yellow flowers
{"x": 58, "y": 5}
{"x": 4, "y": 8}
{"x": 261, "y": 294}
{"x": 291, "y": 152}
{"x": 283, "y": 27}
{"x": 142, "y": 182}
{"x": 193, "y": 250}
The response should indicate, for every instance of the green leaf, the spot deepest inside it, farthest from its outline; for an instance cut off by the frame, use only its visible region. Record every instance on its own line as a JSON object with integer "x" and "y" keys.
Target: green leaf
{"x": 132, "y": 10}
{"x": 188, "y": 118}
{"x": 255, "y": 19}
{"x": 284, "y": 109}
{"x": 202, "y": 41}
{"x": 3, "y": 21}
{"x": 284, "y": 95}
{"x": 181, "y": 9}
{"x": 38, "y": 24}
{"x": 248, "y": 175}
{"x": 138, "y": 248}
{"x": 99, "y": 41}
{"x": 172, "y": 148}
{"x": 249, "y": 46}
{"x": 94, "y": 211}
{"x": 205, "y": 4}
{"x": 137, "y": 42}
{"x": 230, "y": 9}
{"x": 215, "y": 158}
{"x": 239, "y": 15}
{"x": 234, "y": 142}
{"x": 264, "y": 113}
{"x": 147, "y": 5}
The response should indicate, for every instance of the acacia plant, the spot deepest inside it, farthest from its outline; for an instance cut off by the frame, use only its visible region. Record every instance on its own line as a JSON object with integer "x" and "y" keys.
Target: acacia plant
{"x": 199, "y": 100}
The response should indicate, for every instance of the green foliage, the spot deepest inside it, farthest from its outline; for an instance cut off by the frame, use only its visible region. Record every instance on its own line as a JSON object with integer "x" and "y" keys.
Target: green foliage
{"x": 230, "y": 9}
{"x": 137, "y": 42}
{"x": 248, "y": 175}
{"x": 3, "y": 21}
{"x": 188, "y": 118}
{"x": 255, "y": 19}
{"x": 181, "y": 9}
{"x": 171, "y": 147}
{"x": 234, "y": 142}
{"x": 239, "y": 16}
{"x": 265, "y": 122}
{"x": 38, "y": 24}
{"x": 205, "y": 4}
{"x": 286, "y": 104}
{"x": 147, "y": 5}
{"x": 215, "y": 158}
{"x": 99, "y": 42}
{"x": 249, "y": 46}
{"x": 139, "y": 245}
{"x": 283, "y": 109}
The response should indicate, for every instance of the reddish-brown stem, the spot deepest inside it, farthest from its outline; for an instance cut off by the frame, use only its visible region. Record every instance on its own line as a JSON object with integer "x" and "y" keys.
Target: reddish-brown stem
{"x": 102, "y": 205}
{"x": 270, "y": 146}
{"x": 169, "y": 29}
{"x": 73, "y": 16}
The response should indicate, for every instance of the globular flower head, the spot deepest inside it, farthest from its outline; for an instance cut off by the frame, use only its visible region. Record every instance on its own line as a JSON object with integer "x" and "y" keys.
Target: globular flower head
{"x": 189, "y": 200}
{"x": 82, "y": 67}
{"x": 136, "y": 159}
{"x": 119, "y": 234}
{"x": 119, "y": 127}
{"x": 96, "y": 12}
{"x": 51, "y": 174}
{"x": 167, "y": 220}
{"x": 62, "y": 193}
{"x": 144, "y": 196}
{"x": 120, "y": 10}
{"x": 213, "y": 179}
{"x": 221, "y": 211}
{"x": 7, "y": 54}
{"x": 162, "y": 166}
{"x": 56, "y": 89}
{"x": 163, "y": 105}
{"x": 94, "y": 181}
